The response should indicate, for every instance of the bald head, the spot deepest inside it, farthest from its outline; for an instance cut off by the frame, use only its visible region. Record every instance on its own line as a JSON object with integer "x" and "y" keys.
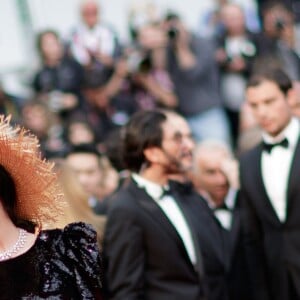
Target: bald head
{"x": 233, "y": 18}
{"x": 89, "y": 11}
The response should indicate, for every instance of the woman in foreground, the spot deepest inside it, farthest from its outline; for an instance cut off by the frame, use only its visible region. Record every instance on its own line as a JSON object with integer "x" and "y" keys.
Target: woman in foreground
{"x": 36, "y": 263}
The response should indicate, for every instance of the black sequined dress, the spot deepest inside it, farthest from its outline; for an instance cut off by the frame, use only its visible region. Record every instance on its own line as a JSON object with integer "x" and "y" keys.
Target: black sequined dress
{"x": 62, "y": 264}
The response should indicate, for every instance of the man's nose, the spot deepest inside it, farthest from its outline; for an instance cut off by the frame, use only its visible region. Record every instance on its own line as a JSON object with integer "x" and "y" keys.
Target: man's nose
{"x": 221, "y": 178}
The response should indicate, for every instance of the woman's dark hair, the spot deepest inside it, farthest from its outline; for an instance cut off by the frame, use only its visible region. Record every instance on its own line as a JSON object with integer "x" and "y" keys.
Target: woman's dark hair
{"x": 276, "y": 75}
{"x": 8, "y": 198}
{"x": 8, "y": 193}
{"x": 144, "y": 130}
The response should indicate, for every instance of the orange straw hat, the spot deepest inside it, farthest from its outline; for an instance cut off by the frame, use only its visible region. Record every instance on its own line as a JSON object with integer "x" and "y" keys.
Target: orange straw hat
{"x": 39, "y": 198}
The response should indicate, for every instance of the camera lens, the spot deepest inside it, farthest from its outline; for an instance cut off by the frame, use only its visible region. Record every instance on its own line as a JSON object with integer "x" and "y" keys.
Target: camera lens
{"x": 172, "y": 33}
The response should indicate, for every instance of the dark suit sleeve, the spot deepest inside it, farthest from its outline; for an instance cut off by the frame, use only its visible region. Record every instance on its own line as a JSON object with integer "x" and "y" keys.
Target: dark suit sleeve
{"x": 253, "y": 249}
{"x": 124, "y": 255}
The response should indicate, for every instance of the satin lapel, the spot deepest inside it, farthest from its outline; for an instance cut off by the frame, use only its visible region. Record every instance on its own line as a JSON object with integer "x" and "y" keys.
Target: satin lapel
{"x": 236, "y": 224}
{"x": 294, "y": 177}
{"x": 235, "y": 230}
{"x": 189, "y": 219}
{"x": 262, "y": 198}
{"x": 208, "y": 228}
{"x": 156, "y": 213}
{"x": 217, "y": 237}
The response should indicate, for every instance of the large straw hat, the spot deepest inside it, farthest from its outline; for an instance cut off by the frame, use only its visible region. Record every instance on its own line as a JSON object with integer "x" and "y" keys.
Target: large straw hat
{"x": 38, "y": 195}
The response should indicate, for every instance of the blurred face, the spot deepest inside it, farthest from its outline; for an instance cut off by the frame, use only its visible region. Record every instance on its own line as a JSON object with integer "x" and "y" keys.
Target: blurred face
{"x": 87, "y": 169}
{"x": 79, "y": 133}
{"x": 270, "y": 107}
{"x": 151, "y": 37}
{"x": 35, "y": 118}
{"x": 51, "y": 47}
{"x": 211, "y": 178}
{"x": 89, "y": 14}
{"x": 274, "y": 19}
{"x": 233, "y": 19}
{"x": 177, "y": 145}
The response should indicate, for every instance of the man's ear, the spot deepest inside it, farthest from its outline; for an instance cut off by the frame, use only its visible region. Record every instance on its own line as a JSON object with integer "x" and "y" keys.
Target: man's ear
{"x": 293, "y": 94}
{"x": 152, "y": 154}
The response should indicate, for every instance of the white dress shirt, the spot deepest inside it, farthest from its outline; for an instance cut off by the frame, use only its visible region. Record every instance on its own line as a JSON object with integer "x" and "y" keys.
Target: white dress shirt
{"x": 223, "y": 215}
{"x": 172, "y": 211}
{"x": 276, "y": 167}
{"x": 84, "y": 39}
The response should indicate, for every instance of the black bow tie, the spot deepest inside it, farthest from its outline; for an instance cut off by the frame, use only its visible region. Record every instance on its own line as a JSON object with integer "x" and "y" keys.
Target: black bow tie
{"x": 165, "y": 192}
{"x": 268, "y": 147}
{"x": 183, "y": 188}
{"x": 223, "y": 206}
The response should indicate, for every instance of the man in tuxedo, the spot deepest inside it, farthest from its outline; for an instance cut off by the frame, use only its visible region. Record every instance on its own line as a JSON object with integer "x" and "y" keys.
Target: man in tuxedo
{"x": 270, "y": 189}
{"x": 215, "y": 177}
{"x": 151, "y": 249}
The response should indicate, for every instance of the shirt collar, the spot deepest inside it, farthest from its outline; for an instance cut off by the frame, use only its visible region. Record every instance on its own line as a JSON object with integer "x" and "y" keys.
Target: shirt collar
{"x": 229, "y": 199}
{"x": 153, "y": 189}
{"x": 291, "y": 132}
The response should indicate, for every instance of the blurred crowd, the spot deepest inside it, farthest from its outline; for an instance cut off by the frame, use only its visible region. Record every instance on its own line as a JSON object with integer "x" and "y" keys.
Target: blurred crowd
{"x": 89, "y": 84}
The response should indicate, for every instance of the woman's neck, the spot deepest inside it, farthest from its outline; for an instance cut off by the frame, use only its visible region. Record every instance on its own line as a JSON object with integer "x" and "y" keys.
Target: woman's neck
{"x": 8, "y": 232}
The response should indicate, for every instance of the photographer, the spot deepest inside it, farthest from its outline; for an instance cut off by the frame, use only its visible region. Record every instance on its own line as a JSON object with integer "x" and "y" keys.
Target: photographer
{"x": 59, "y": 79}
{"x": 194, "y": 72}
{"x": 275, "y": 45}
{"x": 235, "y": 53}
{"x": 153, "y": 86}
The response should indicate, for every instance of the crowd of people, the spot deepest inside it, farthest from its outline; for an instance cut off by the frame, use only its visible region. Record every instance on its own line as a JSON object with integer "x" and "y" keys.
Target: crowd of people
{"x": 161, "y": 169}
{"x": 91, "y": 78}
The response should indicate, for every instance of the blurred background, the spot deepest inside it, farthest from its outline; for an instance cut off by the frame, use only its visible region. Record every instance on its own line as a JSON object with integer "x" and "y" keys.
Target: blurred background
{"x": 21, "y": 20}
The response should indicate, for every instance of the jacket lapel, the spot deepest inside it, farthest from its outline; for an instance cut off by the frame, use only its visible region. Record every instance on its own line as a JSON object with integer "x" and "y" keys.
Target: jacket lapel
{"x": 235, "y": 229}
{"x": 188, "y": 217}
{"x": 208, "y": 228}
{"x": 259, "y": 189}
{"x": 158, "y": 216}
{"x": 293, "y": 182}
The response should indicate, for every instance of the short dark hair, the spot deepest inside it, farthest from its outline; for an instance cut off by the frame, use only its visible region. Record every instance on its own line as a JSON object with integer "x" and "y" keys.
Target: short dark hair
{"x": 276, "y": 4}
{"x": 144, "y": 130}
{"x": 275, "y": 75}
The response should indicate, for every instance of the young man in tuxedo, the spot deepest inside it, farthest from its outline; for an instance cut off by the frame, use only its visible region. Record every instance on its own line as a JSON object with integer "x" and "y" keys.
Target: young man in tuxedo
{"x": 271, "y": 191}
{"x": 215, "y": 177}
{"x": 151, "y": 249}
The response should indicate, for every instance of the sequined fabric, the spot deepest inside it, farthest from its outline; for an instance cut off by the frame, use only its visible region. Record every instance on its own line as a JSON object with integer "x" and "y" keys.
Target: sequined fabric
{"x": 62, "y": 264}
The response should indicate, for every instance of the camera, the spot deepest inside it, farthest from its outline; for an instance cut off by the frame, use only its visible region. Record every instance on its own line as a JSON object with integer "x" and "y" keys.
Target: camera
{"x": 279, "y": 24}
{"x": 139, "y": 61}
{"x": 55, "y": 100}
{"x": 172, "y": 33}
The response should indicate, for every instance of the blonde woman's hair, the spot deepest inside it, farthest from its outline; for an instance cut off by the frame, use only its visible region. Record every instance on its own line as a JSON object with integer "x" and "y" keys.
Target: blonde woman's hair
{"x": 78, "y": 208}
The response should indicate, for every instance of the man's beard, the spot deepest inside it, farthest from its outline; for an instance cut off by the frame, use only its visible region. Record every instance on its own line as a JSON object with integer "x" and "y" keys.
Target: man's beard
{"x": 175, "y": 165}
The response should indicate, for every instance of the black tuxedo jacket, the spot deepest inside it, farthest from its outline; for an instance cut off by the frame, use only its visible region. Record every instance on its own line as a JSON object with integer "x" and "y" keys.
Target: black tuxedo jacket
{"x": 238, "y": 276}
{"x": 223, "y": 259}
{"x": 144, "y": 257}
{"x": 273, "y": 247}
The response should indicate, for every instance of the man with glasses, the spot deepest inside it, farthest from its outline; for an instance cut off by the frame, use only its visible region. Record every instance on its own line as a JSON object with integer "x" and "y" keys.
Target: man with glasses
{"x": 151, "y": 248}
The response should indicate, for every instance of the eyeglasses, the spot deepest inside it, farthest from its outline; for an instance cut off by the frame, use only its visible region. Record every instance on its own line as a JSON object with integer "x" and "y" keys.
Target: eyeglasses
{"x": 179, "y": 138}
